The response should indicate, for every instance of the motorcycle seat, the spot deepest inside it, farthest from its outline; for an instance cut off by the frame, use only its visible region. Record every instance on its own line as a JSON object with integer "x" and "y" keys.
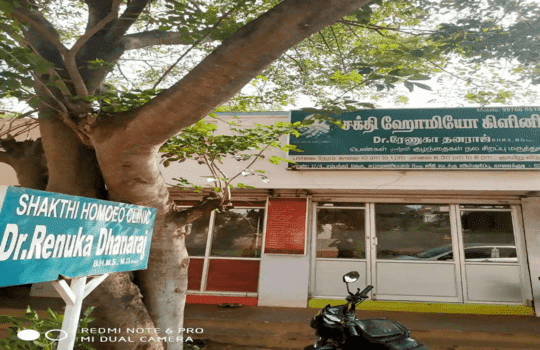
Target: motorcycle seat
{"x": 381, "y": 328}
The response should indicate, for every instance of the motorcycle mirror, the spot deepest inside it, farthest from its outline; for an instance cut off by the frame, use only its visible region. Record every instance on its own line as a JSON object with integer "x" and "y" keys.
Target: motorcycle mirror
{"x": 351, "y": 277}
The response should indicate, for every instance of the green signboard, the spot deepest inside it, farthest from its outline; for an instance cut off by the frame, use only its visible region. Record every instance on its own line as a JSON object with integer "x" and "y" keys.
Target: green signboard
{"x": 443, "y": 138}
{"x": 45, "y": 234}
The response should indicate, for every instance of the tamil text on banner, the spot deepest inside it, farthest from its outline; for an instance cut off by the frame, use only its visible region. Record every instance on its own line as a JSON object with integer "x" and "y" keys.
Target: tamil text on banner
{"x": 452, "y": 138}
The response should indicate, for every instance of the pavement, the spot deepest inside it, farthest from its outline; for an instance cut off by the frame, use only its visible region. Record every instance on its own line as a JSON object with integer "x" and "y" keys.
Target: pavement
{"x": 258, "y": 327}
{"x": 278, "y": 328}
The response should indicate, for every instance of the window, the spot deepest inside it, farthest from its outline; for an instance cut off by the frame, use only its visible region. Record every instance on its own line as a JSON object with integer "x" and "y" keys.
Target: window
{"x": 488, "y": 235}
{"x": 478, "y": 253}
{"x": 413, "y": 232}
{"x": 197, "y": 238}
{"x": 483, "y": 206}
{"x": 507, "y": 253}
{"x": 341, "y": 233}
{"x": 225, "y": 250}
{"x": 238, "y": 233}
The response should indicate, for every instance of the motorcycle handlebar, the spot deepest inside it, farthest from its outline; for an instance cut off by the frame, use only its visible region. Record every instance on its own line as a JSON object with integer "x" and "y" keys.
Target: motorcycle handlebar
{"x": 366, "y": 290}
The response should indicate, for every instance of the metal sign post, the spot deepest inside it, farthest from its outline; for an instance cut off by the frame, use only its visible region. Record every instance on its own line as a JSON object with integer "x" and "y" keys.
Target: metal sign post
{"x": 74, "y": 296}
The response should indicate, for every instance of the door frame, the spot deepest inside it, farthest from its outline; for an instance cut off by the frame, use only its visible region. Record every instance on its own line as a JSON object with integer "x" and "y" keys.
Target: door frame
{"x": 373, "y": 262}
{"x": 313, "y": 245}
{"x": 457, "y": 244}
{"x": 519, "y": 239}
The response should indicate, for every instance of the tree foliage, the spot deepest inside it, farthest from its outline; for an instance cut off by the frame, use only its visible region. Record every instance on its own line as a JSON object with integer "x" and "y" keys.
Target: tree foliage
{"x": 201, "y": 143}
{"x": 31, "y": 320}
{"x": 348, "y": 65}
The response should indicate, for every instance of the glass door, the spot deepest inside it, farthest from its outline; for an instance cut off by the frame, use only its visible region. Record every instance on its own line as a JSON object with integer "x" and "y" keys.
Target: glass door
{"x": 339, "y": 247}
{"x": 490, "y": 254}
{"x": 413, "y": 256}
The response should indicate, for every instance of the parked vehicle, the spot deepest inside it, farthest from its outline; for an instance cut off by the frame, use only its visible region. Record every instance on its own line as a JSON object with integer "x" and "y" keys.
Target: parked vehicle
{"x": 339, "y": 329}
{"x": 486, "y": 252}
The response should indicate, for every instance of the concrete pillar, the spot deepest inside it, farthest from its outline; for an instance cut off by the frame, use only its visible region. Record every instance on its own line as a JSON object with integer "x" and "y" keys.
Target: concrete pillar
{"x": 284, "y": 275}
{"x": 284, "y": 281}
{"x": 531, "y": 225}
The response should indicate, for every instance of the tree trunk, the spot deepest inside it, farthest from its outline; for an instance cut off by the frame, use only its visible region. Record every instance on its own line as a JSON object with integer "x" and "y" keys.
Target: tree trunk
{"x": 164, "y": 284}
{"x": 132, "y": 176}
{"x": 119, "y": 307}
{"x": 73, "y": 167}
{"x": 74, "y": 170}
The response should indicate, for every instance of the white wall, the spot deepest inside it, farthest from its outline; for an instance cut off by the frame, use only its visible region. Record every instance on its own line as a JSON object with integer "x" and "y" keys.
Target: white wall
{"x": 284, "y": 280}
{"x": 513, "y": 181}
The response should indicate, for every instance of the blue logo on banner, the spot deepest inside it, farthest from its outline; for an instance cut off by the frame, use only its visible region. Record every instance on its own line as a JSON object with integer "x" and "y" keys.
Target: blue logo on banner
{"x": 44, "y": 235}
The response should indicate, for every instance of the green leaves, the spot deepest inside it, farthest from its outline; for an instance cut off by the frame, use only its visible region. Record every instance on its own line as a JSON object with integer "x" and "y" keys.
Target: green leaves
{"x": 201, "y": 143}
{"x": 111, "y": 100}
{"x": 98, "y": 63}
{"x": 422, "y": 86}
{"x": 276, "y": 160}
{"x": 31, "y": 320}
{"x": 411, "y": 84}
{"x": 485, "y": 97}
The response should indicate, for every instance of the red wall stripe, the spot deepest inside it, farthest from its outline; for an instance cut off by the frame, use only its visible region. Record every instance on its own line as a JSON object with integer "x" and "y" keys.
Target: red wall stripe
{"x": 233, "y": 275}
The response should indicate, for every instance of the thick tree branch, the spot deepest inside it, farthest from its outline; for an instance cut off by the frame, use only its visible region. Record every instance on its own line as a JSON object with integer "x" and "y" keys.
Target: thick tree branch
{"x": 97, "y": 10}
{"x": 126, "y": 20}
{"x": 36, "y": 21}
{"x": 153, "y": 38}
{"x": 229, "y": 68}
{"x": 37, "y": 79}
{"x": 96, "y": 28}
{"x": 7, "y": 158}
{"x": 27, "y": 159}
{"x": 39, "y": 34}
{"x": 69, "y": 56}
{"x": 181, "y": 217}
{"x": 46, "y": 32}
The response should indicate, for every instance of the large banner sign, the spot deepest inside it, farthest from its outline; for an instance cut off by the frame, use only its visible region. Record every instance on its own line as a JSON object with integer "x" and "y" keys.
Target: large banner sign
{"x": 454, "y": 138}
{"x": 44, "y": 235}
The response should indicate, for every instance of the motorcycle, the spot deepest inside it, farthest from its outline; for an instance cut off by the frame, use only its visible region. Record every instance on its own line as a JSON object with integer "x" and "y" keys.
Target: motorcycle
{"x": 339, "y": 329}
